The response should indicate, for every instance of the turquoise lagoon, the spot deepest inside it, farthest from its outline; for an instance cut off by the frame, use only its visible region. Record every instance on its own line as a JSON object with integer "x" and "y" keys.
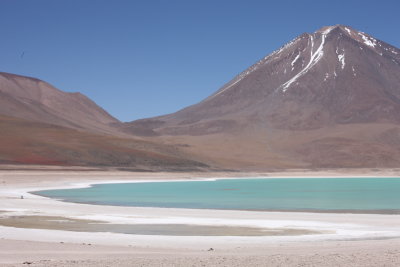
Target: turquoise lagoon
{"x": 361, "y": 195}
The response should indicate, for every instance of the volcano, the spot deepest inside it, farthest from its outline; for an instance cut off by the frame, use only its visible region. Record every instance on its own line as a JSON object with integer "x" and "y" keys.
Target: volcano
{"x": 326, "y": 99}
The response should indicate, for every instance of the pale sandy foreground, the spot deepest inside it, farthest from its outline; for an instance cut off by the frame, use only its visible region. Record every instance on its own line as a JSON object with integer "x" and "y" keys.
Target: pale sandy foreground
{"x": 341, "y": 239}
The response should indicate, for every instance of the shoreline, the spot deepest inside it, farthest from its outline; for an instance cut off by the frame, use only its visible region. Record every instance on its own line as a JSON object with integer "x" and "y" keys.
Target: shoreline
{"x": 362, "y": 229}
{"x": 208, "y": 179}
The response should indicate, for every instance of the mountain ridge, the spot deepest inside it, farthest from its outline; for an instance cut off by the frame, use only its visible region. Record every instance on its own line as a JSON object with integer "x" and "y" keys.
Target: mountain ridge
{"x": 33, "y": 99}
{"x": 43, "y": 125}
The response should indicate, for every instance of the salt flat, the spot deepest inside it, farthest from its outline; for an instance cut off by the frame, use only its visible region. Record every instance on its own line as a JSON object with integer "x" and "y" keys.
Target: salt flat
{"x": 345, "y": 239}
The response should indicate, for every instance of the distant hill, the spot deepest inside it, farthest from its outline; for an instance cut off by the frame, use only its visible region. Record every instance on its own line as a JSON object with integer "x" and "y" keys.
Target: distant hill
{"x": 35, "y": 100}
{"x": 40, "y": 124}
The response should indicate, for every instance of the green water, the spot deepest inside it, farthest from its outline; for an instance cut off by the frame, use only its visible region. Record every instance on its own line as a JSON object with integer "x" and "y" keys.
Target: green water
{"x": 365, "y": 195}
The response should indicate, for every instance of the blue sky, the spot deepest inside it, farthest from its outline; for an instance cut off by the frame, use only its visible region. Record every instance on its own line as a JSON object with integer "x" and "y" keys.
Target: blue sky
{"x": 141, "y": 59}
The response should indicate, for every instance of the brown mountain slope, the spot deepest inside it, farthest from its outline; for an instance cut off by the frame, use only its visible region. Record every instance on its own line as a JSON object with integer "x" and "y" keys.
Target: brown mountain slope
{"x": 36, "y": 100}
{"x": 27, "y": 142}
{"x": 326, "y": 99}
{"x": 368, "y": 145}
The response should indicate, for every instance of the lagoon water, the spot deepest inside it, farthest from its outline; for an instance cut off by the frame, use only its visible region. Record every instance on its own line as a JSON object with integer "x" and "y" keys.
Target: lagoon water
{"x": 364, "y": 195}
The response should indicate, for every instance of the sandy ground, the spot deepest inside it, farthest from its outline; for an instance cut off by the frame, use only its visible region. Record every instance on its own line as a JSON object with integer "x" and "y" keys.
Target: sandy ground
{"x": 343, "y": 239}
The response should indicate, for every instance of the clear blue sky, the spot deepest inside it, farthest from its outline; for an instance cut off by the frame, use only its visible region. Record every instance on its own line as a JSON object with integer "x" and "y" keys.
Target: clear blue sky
{"x": 145, "y": 58}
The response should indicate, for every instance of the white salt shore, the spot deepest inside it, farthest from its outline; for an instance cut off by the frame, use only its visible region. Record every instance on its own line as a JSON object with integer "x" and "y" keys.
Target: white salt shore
{"x": 336, "y": 230}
